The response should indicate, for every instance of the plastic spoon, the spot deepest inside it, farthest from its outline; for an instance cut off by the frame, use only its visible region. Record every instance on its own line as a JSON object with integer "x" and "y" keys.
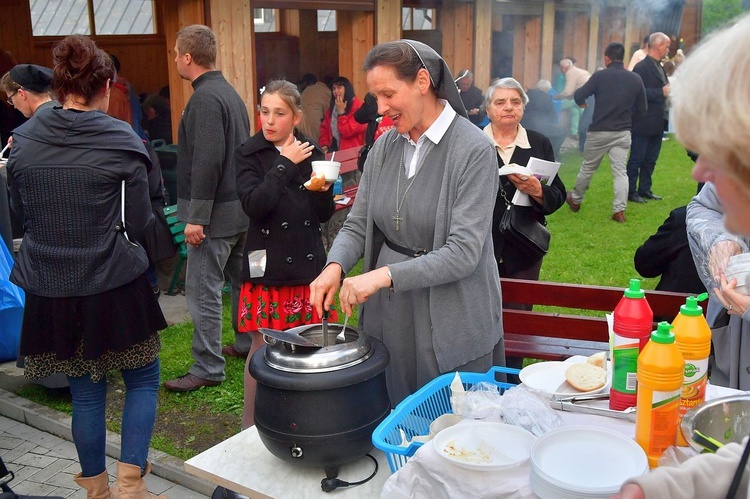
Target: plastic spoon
{"x": 341, "y": 336}
{"x": 333, "y": 154}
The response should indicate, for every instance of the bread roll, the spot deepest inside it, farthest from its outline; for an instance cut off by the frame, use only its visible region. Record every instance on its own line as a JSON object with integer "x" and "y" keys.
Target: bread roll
{"x": 586, "y": 377}
{"x": 316, "y": 183}
{"x": 598, "y": 359}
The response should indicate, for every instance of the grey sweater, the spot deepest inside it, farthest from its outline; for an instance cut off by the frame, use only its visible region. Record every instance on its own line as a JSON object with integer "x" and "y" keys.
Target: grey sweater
{"x": 214, "y": 123}
{"x": 465, "y": 301}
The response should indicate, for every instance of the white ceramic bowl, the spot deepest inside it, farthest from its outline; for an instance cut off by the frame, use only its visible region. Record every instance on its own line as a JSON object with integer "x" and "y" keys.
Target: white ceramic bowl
{"x": 329, "y": 168}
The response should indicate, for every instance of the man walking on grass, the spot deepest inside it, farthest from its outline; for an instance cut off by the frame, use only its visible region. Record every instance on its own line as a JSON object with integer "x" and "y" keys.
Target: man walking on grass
{"x": 213, "y": 124}
{"x": 618, "y": 92}
{"x": 648, "y": 128}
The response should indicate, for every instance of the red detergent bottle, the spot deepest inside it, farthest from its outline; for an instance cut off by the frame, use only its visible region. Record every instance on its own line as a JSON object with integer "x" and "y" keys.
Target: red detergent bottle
{"x": 633, "y": 323}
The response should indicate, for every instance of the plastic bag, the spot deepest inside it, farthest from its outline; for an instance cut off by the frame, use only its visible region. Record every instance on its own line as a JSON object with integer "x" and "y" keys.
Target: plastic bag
{"x": 12, "y": 301}
{"x": 482, "y": 401}
{"x": 521, "y": 407}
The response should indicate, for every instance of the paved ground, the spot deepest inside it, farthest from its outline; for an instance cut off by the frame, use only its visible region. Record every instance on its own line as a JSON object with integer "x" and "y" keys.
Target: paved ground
{"x": 36, "y": 442}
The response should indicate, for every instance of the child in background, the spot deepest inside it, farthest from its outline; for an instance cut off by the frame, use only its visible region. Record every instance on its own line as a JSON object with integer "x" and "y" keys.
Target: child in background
{"x": 284, "y": 251}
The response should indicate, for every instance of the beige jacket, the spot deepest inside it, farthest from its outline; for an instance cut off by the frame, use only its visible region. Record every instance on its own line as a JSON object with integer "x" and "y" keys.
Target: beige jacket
{"x": 316, "y": 99}
{"x": 574, "y": 79}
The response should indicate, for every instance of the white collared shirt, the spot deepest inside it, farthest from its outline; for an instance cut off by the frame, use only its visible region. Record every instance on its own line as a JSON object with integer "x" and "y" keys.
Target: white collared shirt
{"x": 522, "y": 141}
{"x": 415, "y": 152}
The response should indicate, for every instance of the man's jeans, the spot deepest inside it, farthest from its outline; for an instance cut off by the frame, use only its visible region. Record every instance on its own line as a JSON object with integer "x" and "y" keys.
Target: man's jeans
{"x": 616, "y": 144}
{"x": 209, "y": 266}
{"x": 644, "y": 151}
{"x": 138, "y": 415}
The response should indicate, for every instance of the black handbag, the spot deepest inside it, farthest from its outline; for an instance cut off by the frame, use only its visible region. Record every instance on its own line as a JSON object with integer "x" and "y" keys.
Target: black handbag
{"x": 519, "y": 226}
{"x": 157, "y": 240}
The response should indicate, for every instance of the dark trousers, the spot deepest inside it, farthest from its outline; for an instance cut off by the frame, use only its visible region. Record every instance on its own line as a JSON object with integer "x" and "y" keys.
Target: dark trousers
{"x": 644, "y": 151}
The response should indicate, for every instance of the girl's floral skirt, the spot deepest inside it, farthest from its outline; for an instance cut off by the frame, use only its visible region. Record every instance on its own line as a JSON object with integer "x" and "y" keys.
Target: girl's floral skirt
{"x": 276, "y": 307}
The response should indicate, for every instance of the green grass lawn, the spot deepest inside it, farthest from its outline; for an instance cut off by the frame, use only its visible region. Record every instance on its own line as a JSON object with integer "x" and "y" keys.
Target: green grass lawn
{"x": 587, "y": 248}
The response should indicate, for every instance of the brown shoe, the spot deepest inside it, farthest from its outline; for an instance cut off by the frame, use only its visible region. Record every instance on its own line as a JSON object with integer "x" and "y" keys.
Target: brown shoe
{"x": 619, "y": 217}
{"x": 230, "y": 351}
{"x": 574, "y": 207}
{"x": 188, "y": 383}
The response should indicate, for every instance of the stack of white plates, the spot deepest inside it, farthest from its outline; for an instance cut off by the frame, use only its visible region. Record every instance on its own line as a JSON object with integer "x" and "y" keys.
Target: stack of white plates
{"x": 582, "y": 462}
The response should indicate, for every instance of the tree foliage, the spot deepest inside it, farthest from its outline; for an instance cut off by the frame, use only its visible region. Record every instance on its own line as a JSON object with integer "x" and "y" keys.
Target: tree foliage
{"x": 717, "y": 13}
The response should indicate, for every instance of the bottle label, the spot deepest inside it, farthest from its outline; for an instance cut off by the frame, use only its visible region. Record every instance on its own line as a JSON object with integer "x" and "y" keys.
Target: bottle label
{"x": 665, "y": 408}
{"x": 624, "y": 364}
{"x": 694, "y": 385}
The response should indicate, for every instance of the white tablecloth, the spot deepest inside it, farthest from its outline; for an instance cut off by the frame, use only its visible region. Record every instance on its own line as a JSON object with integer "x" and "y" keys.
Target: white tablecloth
{"x": 428, "y": 475}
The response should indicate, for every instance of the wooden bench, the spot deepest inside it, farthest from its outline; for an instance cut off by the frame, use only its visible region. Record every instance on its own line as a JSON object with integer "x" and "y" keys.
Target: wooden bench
{"x": 556, "y": 336}
{"x": 349, "y": 174}
{"x": 350, "y": 182}
{"x": 177, "y": 229}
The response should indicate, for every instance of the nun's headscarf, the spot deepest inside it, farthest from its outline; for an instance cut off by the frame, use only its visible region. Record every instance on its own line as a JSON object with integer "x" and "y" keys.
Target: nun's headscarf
{"x": 440, "y": 75}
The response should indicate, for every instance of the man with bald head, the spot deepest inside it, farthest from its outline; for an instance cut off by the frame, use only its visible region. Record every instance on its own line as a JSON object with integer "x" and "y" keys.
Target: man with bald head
{"x": 648, "y": 128}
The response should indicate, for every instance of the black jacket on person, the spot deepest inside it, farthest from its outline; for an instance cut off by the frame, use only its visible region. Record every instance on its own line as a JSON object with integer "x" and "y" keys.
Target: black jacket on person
{"x": 65, "y": 174}
{"x": 620, "y": 97}
{"x": 667, "y": 254}
{"x": 654, "y": 79}
{"x": 514, "y": 259}
{"x": 284, "y": 216}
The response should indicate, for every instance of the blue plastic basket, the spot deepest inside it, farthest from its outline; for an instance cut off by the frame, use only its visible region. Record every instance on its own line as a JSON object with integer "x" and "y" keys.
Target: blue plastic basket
{"x": 415, "y": 413}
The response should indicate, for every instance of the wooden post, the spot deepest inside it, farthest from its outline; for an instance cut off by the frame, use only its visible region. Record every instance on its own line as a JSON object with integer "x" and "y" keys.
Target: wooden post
{"x": 233, "y": 24}
{"x": 457, "y": 26}
{"x": 387, "y": 21}
{"x": 482, "y": 43}
{"x": 177, "y": 14}
{"x": 593, "y": 36}
{"x": 548, "y": 39}
{"x": 355, "y": 40}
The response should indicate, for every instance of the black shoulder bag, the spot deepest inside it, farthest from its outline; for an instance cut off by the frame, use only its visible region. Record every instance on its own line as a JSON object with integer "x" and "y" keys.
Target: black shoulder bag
{"x": 519, "y": 226}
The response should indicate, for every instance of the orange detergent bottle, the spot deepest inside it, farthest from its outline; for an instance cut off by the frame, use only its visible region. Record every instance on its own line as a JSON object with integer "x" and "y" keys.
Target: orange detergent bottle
{"x": 693, "y": 337}
{"x": 660, "y": 372}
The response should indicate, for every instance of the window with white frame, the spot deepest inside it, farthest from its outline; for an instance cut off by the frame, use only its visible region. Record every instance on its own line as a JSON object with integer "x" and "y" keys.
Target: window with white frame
{"x": 111, "y": 17}
{"x": 326, "y": 20}
{"x": 417, "y": 18}
{"x": 265, "y": 20}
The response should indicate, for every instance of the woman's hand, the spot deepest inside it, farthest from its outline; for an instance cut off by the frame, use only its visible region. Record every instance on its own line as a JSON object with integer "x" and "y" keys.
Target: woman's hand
{"x": 296, "y": 151}
{"x": 719, "y": 256}
{"x": 359, "y": 288}
{"x": 340, "y": 104}
{"x": 735, "y": 303}
{"x": 528, "y": 184}
{"x": 323, "y": 288}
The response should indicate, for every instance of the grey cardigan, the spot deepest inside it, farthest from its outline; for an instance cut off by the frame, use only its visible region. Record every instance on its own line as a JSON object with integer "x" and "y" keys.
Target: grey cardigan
{"x": 465, "y": 300}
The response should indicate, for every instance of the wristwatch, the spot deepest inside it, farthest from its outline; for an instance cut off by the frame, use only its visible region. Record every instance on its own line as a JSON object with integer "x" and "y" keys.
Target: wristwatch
{"x": 391, "y": 278}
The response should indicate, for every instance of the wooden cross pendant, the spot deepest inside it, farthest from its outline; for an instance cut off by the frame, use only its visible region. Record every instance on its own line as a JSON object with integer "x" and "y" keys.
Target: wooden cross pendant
{"x": 398, "y": 220}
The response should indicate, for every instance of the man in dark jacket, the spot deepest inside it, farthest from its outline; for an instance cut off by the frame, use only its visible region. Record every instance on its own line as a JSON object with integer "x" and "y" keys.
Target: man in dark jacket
{"x": 649, "y": 128}
{"x": 619, "y": 96}
{"x": 471, "y": 96}
{"x": 214, "y": 123}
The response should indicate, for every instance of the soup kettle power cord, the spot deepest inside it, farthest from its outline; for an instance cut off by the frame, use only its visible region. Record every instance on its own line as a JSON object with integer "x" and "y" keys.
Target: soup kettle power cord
{"x": 331, "y": 483}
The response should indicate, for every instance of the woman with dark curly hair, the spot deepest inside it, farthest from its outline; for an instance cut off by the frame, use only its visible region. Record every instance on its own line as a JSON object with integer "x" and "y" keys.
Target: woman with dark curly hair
{"x": 78, "y": 180}
{"x": 339, "y": 129}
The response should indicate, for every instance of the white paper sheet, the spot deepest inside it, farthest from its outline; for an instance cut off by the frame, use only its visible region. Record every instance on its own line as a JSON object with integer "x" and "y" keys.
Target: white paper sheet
{"x": 545, "y": 171}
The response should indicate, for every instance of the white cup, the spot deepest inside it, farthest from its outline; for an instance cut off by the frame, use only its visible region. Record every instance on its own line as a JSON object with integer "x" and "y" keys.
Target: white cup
{"x": 328, "y": 168}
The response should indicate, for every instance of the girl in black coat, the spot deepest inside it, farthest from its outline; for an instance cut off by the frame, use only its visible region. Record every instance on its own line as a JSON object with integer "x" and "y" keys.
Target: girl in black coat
{"x": 283, "y": 251}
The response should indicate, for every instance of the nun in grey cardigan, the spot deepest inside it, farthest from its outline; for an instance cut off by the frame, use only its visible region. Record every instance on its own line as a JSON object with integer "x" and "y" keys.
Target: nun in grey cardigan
{"x": 465, "y": 301}
{"x": 440, "y": 309}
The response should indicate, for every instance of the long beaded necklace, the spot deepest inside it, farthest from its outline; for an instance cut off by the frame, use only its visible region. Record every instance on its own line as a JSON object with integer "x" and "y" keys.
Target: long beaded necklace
{"x": 400, "y": 199}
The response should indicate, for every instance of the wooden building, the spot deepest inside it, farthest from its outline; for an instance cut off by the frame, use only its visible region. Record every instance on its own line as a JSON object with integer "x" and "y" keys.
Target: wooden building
{"x": 520, "y": 38}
